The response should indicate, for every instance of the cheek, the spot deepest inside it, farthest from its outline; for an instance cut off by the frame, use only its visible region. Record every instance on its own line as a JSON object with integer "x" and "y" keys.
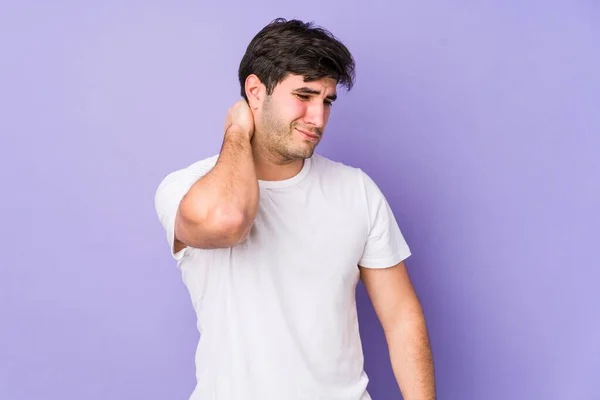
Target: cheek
{"x": 295, "y": 110}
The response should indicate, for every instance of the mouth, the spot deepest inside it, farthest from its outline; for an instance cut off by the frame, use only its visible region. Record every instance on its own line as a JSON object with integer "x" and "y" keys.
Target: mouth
{"x": 307, "y": 135}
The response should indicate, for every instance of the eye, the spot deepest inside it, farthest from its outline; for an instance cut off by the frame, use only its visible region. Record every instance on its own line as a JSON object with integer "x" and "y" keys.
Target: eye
{"x": 302, "y": 97}
{"x": 328, "y": 103}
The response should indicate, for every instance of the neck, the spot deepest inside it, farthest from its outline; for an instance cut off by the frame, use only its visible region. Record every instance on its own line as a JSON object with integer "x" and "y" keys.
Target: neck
{"x": 274, "y": 167}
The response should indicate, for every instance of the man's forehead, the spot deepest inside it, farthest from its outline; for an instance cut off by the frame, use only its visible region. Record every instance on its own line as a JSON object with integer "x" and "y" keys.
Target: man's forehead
{"x": 297, "y": 82}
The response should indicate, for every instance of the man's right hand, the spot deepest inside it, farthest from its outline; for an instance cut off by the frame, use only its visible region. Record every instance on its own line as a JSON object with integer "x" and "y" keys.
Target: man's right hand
{"x": 218, "y": 211}
{"x": 240, "y": 117}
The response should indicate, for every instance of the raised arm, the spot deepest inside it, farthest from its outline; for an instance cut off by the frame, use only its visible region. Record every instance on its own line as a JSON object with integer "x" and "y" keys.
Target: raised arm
{"x": 219, "y": 209}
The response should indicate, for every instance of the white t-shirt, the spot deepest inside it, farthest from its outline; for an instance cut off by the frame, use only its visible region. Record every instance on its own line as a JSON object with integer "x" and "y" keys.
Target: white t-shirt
{"x": 277, "y": 314}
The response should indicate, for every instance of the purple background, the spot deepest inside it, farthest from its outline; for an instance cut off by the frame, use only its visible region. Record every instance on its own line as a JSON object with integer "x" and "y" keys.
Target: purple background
{"x": 480, "y": 122}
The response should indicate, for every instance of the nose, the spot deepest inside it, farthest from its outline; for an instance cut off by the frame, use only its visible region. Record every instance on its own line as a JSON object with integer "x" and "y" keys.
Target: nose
{"x": 315, "y": 115}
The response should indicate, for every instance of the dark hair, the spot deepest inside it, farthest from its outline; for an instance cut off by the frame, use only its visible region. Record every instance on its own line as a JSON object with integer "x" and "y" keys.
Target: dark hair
{"x": 283, "y": 47}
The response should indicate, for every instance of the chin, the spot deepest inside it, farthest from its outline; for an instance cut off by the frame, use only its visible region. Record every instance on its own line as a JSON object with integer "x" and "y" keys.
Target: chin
{"x": 298, "y": 149}
{"x": 300, "y": 154}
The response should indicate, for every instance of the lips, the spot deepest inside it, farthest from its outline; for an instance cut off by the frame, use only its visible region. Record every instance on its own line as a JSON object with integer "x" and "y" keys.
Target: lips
{"x": 309, "y": 135}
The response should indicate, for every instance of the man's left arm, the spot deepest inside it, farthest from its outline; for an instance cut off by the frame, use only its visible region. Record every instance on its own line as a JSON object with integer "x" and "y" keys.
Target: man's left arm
{"x": 401, "y": 316}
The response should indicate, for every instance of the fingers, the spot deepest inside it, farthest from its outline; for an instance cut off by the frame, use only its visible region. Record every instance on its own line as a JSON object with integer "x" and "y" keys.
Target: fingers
{"x": 239, "y": 114}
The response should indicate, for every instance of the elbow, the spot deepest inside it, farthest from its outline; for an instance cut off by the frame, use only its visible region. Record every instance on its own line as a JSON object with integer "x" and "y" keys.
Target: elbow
{"x": 232, "y": 227}
{"x": 211, "y": 229}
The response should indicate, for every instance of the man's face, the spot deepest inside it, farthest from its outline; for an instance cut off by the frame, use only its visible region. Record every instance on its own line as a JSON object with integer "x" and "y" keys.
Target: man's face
{"x": 292, "y": 119}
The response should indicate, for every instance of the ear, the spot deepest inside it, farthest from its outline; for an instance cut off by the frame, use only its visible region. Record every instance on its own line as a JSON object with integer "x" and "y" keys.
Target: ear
{"x": 255, "y": 91}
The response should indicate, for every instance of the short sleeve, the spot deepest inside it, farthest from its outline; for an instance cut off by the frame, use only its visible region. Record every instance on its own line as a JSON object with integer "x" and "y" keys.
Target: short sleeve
{"x": 385, "y": 245}
{"x": 169, "y": 193}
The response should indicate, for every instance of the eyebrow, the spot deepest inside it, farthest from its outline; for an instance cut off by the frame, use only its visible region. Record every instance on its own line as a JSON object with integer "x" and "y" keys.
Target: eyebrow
{"x": 306, "y": 90}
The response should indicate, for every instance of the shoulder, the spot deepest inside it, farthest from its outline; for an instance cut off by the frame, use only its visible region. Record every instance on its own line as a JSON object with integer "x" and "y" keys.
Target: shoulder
{"x": 352, "y": 183}
{"x": 340, "y": 172}
{"x": 202, "y": 166}
{"x": 195, "y": 170}
{"x": 327, "y": 166}
{"x": 176, "y": 183}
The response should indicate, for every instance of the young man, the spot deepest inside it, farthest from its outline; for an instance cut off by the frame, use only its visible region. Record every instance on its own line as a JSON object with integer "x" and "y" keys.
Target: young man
{"x": 271, "y": 240}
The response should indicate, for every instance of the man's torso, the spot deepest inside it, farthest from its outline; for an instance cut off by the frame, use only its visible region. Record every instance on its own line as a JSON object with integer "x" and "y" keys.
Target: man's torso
{"x": 277, "y": 313}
